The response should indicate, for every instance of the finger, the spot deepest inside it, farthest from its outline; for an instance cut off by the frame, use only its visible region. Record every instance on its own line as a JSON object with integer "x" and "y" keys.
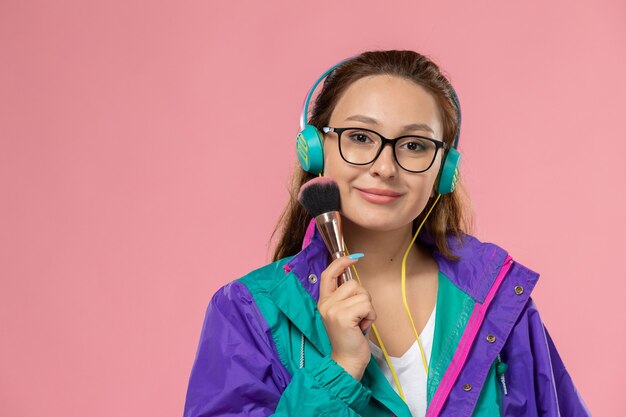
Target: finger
{"x": 365, "y": 325}
{"x": 359, "y": 313}
{"x": 349, "y": 312}
{"x": 350, "y": 289}
{"x": 367, "y": 321}
{"x": 329, "y": 276}
{"x": 360, "y": 298}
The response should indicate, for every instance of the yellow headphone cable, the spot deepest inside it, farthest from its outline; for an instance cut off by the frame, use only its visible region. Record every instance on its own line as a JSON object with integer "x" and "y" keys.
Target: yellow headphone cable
{"x": 406, "y": 307}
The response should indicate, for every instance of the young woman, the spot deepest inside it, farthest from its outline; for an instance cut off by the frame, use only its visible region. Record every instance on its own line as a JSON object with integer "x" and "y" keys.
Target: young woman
{"x": 454, "y": 331}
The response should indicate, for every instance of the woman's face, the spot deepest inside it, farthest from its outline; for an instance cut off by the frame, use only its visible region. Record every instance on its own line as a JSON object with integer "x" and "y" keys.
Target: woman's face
{"x": 382, "y": 196}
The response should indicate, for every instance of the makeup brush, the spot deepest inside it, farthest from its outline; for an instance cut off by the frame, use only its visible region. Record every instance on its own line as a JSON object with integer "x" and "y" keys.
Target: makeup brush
{"x": 320, "y": 198}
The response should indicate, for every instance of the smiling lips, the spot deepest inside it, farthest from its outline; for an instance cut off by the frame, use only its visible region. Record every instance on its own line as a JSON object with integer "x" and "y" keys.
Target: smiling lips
{"x": 378, "y": 195}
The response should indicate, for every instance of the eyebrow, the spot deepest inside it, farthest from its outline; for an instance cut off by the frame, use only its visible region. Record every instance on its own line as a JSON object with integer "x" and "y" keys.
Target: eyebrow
{"x": 370, "y": 120}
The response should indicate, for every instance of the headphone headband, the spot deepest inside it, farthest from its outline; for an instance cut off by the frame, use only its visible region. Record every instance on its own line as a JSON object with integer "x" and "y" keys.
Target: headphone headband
{"x": 458, "y": 114}
{"x": 305, "y": 106}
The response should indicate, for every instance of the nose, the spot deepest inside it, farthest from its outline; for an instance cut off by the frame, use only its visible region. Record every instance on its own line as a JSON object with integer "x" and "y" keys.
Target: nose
{"x": 385, "y": 165}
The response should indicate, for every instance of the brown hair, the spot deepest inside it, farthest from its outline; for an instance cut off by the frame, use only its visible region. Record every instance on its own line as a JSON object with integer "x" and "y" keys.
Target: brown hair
{"x": 450, "y": 215}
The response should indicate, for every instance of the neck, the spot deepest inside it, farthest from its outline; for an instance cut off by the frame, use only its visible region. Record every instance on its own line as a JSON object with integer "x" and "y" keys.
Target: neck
{"x": 384, "y": 252}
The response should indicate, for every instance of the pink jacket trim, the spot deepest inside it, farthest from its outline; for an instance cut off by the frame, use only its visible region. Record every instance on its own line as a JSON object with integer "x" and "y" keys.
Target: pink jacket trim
{"x": 465, "y": 344}
{"x": 308, "y": 236}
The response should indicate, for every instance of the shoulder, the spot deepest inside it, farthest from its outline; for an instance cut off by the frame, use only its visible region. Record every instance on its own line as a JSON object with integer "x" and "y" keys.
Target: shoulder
{"x": 236, "y": 353}
{"x": 480, "y": 264}
{"x": 243, "y": 310}
{"x": 470, "y": 248}
{"x": 262, "y": 279}
{"x": 241, "y": 294}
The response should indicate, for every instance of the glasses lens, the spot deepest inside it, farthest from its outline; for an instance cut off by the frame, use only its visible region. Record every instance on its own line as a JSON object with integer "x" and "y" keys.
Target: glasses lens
{"x": 359, "y": 146}
{"x": 415, "y": 153}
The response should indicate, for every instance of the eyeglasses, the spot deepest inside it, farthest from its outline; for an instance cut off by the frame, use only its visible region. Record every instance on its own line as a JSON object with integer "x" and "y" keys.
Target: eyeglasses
{"x": 360, "y": 146}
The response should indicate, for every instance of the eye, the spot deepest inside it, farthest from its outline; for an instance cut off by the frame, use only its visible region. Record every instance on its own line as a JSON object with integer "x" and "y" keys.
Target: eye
{"x": 413, "y": 145}
{"x": 360, "y": 137}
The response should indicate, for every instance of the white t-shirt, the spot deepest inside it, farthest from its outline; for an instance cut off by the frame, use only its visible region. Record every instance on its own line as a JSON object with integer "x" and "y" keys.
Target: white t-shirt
{"x": 410, "y": 369}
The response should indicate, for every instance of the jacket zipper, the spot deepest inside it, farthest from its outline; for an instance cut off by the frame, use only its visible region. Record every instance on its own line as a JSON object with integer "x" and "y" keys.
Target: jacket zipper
{"x": 501, "y": 369}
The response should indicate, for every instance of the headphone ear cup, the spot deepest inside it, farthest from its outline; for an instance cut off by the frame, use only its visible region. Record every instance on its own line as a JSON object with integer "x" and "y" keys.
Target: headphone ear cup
{"x": 449, "y": 175}
{"x": 310, "y": 149}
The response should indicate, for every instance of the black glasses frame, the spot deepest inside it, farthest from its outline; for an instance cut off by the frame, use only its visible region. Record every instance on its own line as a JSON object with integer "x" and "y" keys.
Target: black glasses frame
{"x": 385, "y": 141}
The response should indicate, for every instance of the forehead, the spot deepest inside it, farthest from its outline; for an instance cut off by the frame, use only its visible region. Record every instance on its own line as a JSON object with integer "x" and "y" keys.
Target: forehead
{"x": 392, "y": 101}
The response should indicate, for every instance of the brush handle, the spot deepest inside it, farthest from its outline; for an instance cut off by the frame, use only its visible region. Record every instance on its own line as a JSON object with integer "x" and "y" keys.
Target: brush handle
{"x": 329, "y": 226}
{"x": 347, "y": 274}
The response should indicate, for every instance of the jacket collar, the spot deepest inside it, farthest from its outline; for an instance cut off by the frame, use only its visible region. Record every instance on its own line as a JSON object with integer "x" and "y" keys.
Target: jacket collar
{"x": 474, "y": 273}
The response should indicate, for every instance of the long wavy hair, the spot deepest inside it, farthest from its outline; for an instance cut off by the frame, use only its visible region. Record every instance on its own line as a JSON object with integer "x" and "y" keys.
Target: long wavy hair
{"x": 451, "y": 215}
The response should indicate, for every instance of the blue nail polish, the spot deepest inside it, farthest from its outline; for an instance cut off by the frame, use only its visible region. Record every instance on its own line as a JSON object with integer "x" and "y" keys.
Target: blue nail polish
{"x": 356, "y": 256}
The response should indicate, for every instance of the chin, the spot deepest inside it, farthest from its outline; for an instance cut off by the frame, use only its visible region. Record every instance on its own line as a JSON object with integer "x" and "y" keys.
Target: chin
{"x": 376, "y": 223}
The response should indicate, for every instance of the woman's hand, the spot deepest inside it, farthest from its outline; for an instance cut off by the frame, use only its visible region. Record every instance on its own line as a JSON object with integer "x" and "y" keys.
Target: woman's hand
{"x": 347, "y": 313}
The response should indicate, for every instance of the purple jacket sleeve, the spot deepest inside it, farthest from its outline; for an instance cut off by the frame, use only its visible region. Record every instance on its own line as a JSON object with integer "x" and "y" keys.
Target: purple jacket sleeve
{"x": 537, "y": 382}
{"x": 236, "y": 370}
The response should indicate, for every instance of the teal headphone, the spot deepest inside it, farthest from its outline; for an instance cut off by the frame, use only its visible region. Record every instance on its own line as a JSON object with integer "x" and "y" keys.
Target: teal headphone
{"x": 310, "y": 148}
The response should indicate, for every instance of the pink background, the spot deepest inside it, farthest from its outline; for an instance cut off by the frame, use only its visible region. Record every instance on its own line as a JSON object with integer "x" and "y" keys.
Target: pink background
{"x": 145, "y": 151}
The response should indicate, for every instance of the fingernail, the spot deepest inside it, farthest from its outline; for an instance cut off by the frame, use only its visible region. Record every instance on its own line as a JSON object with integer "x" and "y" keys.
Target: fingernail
{"x": 356, "y": 256}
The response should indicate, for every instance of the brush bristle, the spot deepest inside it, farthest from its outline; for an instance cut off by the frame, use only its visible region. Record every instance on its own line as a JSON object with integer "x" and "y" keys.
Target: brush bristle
{"x": 320, "y": 195}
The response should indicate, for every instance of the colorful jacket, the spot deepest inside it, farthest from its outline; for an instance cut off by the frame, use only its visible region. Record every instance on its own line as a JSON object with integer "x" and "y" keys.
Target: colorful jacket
{"x": 264, "y": 350}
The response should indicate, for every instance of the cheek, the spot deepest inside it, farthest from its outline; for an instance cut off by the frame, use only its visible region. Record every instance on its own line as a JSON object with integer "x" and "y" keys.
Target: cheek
{"x": 330, "y": 158}
{"x": 432, "y": 182}
{"x": 423, "y": 190}
{"x": 335, "y": 167}
{"x": 433, "y": 173}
